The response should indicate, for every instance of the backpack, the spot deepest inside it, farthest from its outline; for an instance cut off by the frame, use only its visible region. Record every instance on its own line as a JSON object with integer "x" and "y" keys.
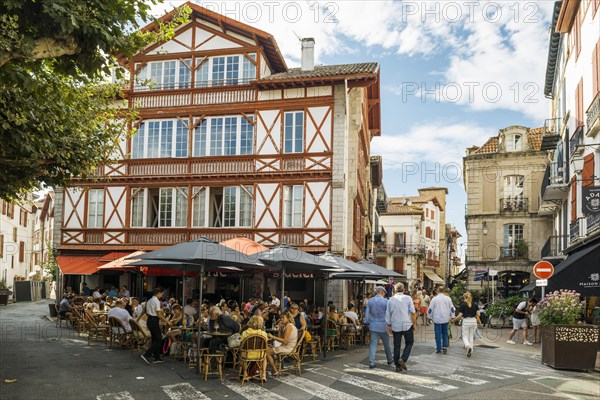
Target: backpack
{"x": 165, "y": 346}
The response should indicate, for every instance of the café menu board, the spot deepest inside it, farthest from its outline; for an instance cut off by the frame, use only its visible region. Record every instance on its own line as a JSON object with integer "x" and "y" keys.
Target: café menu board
{"x": 591, "y": 200}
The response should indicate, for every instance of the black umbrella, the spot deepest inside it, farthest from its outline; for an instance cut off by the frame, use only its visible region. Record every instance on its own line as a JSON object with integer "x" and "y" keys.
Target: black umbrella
{"x": 290, "y": 259}
{"x": 383, "y": 272}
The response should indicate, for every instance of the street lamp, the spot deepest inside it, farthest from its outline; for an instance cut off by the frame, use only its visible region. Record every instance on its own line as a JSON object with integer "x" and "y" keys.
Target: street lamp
{"x": 485, "y": 229}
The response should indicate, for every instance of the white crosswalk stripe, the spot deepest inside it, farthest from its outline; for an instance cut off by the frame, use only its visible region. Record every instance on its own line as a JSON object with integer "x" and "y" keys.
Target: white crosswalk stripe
{"x": 183, "y": 391}
{"x": 427, "y": 383}
{"x": 115, "y": 396}
{"x": 518, "y": 372}
{"x": 488, "y": 374}
{"x": 423, "y": 370}
{"x": 252, "y": 391}
{"x": 377, "y": 387}
{"x": 315, "y": 389}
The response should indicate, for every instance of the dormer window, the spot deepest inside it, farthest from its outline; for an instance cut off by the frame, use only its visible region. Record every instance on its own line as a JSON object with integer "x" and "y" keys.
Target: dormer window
{"x": 514, "y": 142}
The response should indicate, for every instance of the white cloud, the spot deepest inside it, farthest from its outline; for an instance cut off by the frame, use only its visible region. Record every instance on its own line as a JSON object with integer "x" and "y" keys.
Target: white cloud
{"x": 432, "y": 142}
{"x": 487, "y": 47}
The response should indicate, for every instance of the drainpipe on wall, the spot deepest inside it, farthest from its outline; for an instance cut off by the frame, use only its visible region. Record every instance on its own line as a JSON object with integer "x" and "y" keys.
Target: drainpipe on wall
{"x": 346, "y": 185}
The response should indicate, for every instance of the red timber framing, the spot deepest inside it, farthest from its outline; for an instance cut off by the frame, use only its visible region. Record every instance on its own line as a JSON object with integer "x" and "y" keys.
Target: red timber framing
{"x": 269, "y": 170}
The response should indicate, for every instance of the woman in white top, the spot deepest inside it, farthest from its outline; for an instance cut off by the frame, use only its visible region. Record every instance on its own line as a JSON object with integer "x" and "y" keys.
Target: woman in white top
{"x": 288, "y": 341}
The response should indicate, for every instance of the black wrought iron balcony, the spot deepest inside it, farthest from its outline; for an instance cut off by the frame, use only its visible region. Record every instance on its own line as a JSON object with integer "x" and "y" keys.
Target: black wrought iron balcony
{"x": 551, "y": 136}
{"x": 513, "y": 252}
{"x": 381, "y": 202}
{"x": 576, "y": 229}
{"x": 593, "y": 117}
{"x": 401, "y": 249}
{"x": 554, "y": 246}
{"x": 555, "y": 188}
{"x": 575, "y": 140}
{"x": 592, "y": 222}
{"x": 511, "y": 205}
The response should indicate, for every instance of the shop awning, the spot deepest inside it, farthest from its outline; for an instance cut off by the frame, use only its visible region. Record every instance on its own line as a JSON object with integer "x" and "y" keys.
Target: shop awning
{"x": 85, "y": 264}
{"x": 122, "y": 263}
{"x": 579, "y": 272}
{"x": 435, "y": 278}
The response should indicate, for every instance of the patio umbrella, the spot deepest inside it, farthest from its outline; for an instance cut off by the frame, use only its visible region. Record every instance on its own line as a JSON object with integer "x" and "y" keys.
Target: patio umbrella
{"x": 290, "y": 259}
{"x": 244, "y": 245}
{"x": 382, "y": 272}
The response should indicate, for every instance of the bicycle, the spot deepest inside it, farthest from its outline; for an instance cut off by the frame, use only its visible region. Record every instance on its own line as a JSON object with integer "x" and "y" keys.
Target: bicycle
{"x": 498, "y": 321}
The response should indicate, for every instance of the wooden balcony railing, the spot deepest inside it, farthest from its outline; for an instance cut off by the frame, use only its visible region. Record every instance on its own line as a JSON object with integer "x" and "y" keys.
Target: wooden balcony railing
{"x": 193, "y": 97}
{"x": 223, "y": 165}
{"x": 168, "y": 236}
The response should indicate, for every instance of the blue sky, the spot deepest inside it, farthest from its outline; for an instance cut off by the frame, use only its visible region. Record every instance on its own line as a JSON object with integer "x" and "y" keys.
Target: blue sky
{"x": 452, "y": 73}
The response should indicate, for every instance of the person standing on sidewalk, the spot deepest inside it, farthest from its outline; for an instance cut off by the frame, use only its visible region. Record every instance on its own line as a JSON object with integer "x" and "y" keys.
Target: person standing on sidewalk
{"x": 469, "y": 312}
{"x": 155, "y": 315}
{"x": 401, "y": 318}
{"x": 519, "y": 322}
{"x": 375, "y": 317}
{"x": 441, "y": 310}
{"x": 424, "y": 300}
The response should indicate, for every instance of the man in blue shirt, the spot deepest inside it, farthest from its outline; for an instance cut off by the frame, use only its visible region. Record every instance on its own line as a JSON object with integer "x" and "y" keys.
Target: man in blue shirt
{"x": 440, "y": 311}
{"x": 401, "y": 319}
{"x": 375, "y": 317}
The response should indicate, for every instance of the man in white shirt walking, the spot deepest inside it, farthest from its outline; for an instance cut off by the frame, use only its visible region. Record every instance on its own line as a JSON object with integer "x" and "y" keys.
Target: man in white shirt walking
{"x": 441, "y": 310}
{"x": 401, "y": 318}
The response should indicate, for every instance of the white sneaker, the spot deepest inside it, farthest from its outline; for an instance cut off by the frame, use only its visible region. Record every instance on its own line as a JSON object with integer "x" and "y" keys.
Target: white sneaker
{"x": 527, "y": 343}
{"x": 511, "y": 342}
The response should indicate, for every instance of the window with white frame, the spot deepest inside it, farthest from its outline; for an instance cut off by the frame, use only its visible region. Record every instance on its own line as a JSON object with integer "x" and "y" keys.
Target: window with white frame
{"x": 164, "y": 138}
{"x": 159, "y": 75}
{"x": 138, "y": 204}
{"x": 513, "y": 192}
{"x": 95, "y": 208}
{"x": 513, "y": 235}
{"x": 237, "y": 206}
{"x": 225, "y": 70}
{"x": 293, "y": 131}
{"x": 199, "y": 209}
{"x": 292, "y": 206}
{"x": 173, "y": 207}
{"x": 219, "y": 136}
{"x": 514, "y": 142}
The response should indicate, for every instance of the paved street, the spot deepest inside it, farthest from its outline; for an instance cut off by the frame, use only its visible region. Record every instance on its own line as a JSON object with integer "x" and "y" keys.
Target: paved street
{"x": 53, "y": 363}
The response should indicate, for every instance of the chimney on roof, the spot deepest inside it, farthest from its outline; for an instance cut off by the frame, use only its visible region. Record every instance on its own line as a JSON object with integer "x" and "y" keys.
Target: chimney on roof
{"x": 308, "y": 54}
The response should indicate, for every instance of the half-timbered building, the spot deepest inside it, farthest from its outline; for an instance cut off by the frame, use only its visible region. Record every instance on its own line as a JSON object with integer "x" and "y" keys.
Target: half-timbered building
{"x": 231, "y": 142}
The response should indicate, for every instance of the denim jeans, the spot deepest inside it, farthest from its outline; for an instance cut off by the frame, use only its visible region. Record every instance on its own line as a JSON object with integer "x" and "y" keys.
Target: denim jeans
{"x": 385, "y": 338}
{"x": 409, "y": 339}
{"x": 441, "y": 336}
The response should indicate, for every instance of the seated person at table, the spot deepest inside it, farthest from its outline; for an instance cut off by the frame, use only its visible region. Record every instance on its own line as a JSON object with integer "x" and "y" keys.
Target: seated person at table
{"x": 317, "y": 315}
{"x": 136, "y": 307}
{"x": 235, "y": 313}
{"x": 66, "y": 306}
{"x": 176, "y": 316}
{"x": 286, "y": 343}
{"x": 255, "y": 328}
{"x": 189, "y": 309}
{"x": 350, "y": 317}
{"x": 119, "y": 312}
{"x": 333, "y": 314}
{"x": 220, "y": 323}
{"x": 113, "y": 292}
{"x": 108, "y": 303}
{"x": 299, "y": 320}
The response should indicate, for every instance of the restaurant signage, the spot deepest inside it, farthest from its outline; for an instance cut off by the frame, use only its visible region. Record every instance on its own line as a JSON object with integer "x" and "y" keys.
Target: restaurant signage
{"x": 591, "y": 200}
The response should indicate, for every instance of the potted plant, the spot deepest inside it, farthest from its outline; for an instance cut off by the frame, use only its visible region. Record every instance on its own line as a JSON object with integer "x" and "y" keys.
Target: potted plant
{"x": 4, "y": 292}
{"x": 566, "y": 343}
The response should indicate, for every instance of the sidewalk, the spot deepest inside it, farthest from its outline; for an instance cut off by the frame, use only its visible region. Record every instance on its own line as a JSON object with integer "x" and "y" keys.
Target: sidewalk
{"x": 490, "y": 338}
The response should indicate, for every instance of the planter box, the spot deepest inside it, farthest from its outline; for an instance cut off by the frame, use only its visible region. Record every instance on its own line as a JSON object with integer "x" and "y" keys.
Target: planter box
{"x": 570, "y": 346}
{"x": 3, "y": 299}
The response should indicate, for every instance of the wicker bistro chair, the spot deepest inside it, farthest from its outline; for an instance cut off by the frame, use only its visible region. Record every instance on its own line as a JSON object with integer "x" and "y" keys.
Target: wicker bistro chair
{"x": 140, "y": 340}
{"x": 59, "y": 318}
{"x": 78, "y": 321}
{"x": 252, "y": 350}
{"x": 97, "y": 330}
{"x": 117, "y": 332}
{"x": 332, "y": 334}
{"x": 295, "y": 357}
{"x": 348, "y": 334}
{"x": 312, "y": 347}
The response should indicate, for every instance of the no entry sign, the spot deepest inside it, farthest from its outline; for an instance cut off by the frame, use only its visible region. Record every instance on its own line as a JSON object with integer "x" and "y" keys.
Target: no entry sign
{"x": 543, "y": 269}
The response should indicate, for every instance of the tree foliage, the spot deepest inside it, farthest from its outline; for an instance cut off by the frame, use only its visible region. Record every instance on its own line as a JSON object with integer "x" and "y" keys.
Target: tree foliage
{"x": 59, "y": 117}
